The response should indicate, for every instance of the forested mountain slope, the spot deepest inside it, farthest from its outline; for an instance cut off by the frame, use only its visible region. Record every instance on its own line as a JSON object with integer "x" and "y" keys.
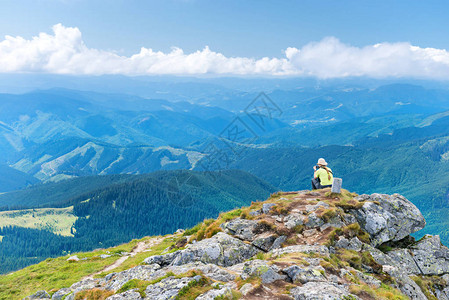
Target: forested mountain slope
{"x": 131, "y": 207}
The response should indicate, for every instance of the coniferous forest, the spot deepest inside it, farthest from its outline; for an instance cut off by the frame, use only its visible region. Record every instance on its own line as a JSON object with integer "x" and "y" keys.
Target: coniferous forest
{"x": 149, "y": 204}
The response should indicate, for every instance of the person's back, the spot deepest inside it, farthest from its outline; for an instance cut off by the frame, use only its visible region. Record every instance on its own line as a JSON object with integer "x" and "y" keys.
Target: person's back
{"x": 322, "y": 177}
{"x": 325, "y": 176}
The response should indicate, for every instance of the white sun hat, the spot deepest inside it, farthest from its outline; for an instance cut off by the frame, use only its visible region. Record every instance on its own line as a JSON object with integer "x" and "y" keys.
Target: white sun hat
{"x": 322, "y": 162}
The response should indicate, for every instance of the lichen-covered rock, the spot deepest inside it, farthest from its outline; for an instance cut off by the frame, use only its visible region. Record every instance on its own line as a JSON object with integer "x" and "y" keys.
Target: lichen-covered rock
{"x": 241, "y": 228}
{"x": 60, "y": 294}
{"x": 314, "y": 221}
{"x": 39, "y": 295}
{"x": 320, "y": 249}
{"x": 221, "y": 249}
{"x": 246, "y": 288}
{"x": 264, "y": 241}
{"x": 335, "y": 222}
{"x": 209, "y": 270}
{"x": 320, "y": 291}
{"x": 427, "y": 257}
{"x": 260, "y": 268}
{"x": 352, "y": 244}
{"x": 403, "y": 258}
{"x": 310, "y": 208}
{"x": 398, "y": 271}
{"x": 431, "y": 257}
{"x": 131, "y": 295}
{"x": 305, "y": 274}
{"x": 168, "y": 288}
{"x": 278, "y": 242}
{"x": 266, "y": 207}
{"x": 293, "y": 220}
{"x": 148, "y": 273}
{"x": 85, "y": 284}
{"x": 368, "y": 279}
{"x": 222, "y": 293}
{"x": 388, "y": 217}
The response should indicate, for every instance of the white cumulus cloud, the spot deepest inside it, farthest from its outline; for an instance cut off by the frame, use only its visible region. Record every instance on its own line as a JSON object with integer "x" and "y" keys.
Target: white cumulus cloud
{"x": 64, "y": 52}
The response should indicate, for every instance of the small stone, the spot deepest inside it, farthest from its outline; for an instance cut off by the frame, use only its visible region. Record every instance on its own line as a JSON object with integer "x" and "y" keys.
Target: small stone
{"x": 314, "y": 221}
{"x": 105, "y": 255}
{"x": 131, "y": 295}
{"x": 310, "y": 208}
{"x": 266, "y": 207}
{"x": 320, "y": 249}
{"x": 264, "y": 241}
{"x": 73, "y": 258}
{"x": 246, "y": 288}
{"x": 309, "y": 232}
{"x": 255, "y": 213}
{"x": 293, "y": 220}
{"x": 260, "y": 268}
{"x": 223, "y": 293}
{"x": 60, "y": 294}
{"x": 278, "y": 242}
{"x": 271, "y": 276}
{"x": 305, "y": 274}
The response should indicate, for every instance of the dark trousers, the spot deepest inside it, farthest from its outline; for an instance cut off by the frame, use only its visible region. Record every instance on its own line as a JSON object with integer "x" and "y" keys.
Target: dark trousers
{"x": 316, "y": 185}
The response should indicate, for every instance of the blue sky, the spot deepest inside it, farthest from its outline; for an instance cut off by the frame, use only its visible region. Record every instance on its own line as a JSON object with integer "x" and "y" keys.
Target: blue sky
{"x": 250, "y": 29}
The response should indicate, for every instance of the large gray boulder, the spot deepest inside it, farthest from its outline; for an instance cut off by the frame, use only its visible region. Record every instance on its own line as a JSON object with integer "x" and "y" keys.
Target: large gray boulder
{"x": 221, "y": 249}
{"x": 388, "y": 217}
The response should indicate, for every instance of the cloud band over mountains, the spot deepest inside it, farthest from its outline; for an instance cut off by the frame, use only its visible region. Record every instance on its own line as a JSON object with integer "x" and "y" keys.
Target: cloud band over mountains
{"x": 64, "y": 52}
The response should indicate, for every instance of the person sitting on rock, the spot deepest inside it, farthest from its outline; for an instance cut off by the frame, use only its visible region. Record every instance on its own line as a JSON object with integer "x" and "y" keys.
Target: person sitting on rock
{"x": 322, "y": 176}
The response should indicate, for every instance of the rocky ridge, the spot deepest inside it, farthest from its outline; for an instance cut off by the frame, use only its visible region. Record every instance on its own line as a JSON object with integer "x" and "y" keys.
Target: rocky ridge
{"x": 295, "y": 245}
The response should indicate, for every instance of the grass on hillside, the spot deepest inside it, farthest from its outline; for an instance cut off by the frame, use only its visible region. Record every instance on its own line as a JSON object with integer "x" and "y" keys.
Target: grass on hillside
{"x": 53, "y": 274}
{"x": 56, "y": 220}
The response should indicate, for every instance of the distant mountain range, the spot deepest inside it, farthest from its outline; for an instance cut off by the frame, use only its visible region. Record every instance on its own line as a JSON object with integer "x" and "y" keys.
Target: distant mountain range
{"x": 58, "y": 133}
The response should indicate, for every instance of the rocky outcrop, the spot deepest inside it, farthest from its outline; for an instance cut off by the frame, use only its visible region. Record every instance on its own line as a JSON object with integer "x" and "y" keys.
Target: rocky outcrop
{"x": 314, "y": 249}
{"x": 222, "y": 250}
{"x": 388, "y": 217}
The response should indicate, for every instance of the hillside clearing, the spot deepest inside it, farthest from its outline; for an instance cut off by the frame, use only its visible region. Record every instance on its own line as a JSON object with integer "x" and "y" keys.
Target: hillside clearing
{"x": 56, "y": 220}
